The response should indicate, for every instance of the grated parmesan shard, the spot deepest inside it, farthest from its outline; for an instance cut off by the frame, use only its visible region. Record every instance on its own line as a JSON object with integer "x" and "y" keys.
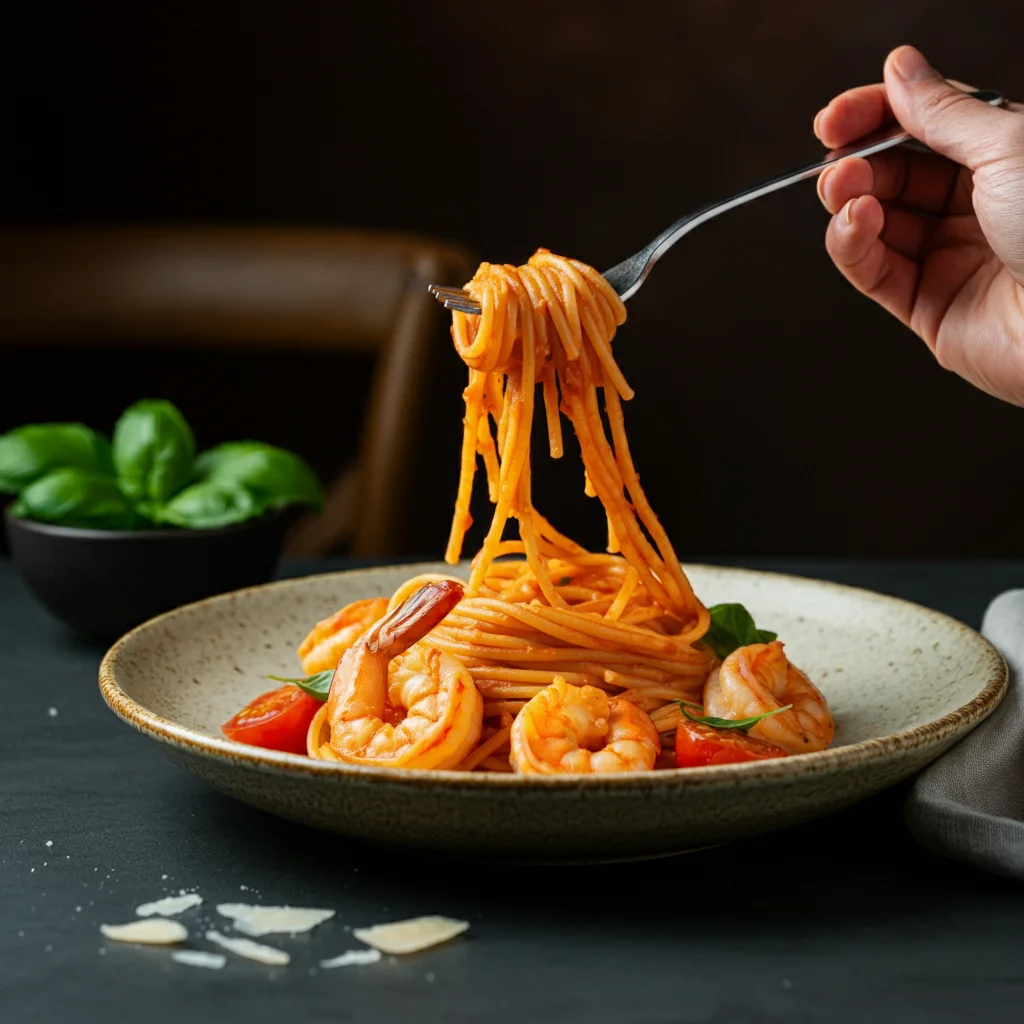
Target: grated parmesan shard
{"x": 255, "y": 920}
{"x": 169, "y": 905}
{"x": 250, "y": 950}
{"x": 155, "y": 932}
{"x": 353, "y": 958}
{"x": 411, "y": 936}
{"x": 199, "y": 958}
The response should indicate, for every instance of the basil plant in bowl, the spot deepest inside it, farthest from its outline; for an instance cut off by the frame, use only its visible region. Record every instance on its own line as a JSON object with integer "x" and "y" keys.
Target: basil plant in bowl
{"x": 110, "y": 533}
{"x": 69, "y": 475}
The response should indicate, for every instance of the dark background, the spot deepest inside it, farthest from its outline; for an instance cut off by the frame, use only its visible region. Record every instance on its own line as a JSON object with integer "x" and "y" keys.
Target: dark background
{"x": 777, "y": 411}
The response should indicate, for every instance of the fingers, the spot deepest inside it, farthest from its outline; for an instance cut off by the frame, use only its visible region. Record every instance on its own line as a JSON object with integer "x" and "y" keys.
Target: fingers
{"x": 887, "y": 209}
{"x": 854, "y": 242}
{"x": 944, "y": 118}
{"x": 852, "y": 115}
{"x": 917, "y": 180}
{"x": 904, "y": 230}
{"x": 907, "y": 233}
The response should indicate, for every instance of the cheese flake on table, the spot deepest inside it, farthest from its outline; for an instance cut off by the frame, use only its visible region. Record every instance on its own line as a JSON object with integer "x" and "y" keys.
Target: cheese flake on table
{"x": 169, "y": 905}
{"x": 155, "y": 932}
{"x": 353, "y": 958}
{"x": 255, "y": 920}
{"x": 411, "y": 936}
{"x": 199, "y": 958}
{"x": 250, "y": 950}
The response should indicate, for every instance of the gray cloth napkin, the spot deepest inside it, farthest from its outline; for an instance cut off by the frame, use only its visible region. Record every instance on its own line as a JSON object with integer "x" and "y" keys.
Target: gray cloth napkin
{"x": 969, "y": 805}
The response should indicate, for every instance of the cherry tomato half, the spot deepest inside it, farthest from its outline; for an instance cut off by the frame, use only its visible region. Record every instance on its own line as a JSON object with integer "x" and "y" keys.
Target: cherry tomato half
{"x": 278, "y": 720}
{"x": 698, "y": 745}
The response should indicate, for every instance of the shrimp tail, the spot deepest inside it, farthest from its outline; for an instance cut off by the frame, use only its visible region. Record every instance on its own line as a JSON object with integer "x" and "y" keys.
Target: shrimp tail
{"x": 414, "y": 618}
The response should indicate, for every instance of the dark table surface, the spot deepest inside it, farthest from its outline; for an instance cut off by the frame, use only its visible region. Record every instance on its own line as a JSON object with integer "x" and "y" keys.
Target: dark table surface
{"x": 845, "y": 919}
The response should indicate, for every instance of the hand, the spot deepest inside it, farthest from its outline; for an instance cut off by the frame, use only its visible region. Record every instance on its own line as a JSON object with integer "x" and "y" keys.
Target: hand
{"x": 938, "y": 241}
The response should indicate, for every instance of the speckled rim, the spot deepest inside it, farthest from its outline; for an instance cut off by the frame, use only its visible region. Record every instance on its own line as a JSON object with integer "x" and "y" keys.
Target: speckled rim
{"x": 828, "y": 761}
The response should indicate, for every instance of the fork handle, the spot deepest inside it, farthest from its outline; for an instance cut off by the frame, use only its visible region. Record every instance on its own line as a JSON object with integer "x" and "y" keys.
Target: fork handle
{"x": 628, "y": 276}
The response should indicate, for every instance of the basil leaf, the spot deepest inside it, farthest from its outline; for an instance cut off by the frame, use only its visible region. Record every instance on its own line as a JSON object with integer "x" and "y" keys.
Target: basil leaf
{"x": 318, "y": 685}
{"x": 148, "y": 514}
{"x": 29, "y": 453}
{"x": 154, "y": 450}
{"x": 206, "y": 506}
{"x": 72, "y": 497}
{"x": 727, "y": 723}
{"x": 275, "y": 476}
{"x": 564, "y": 581}
{"x": 732, "y": 626}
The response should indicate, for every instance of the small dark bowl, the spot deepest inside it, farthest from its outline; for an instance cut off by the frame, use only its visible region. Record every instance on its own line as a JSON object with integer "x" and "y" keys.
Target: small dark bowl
{"x": 106, "y": 582}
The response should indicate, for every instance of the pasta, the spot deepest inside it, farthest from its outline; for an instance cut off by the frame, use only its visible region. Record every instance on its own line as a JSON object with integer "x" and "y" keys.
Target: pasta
{"x": 541, "y": 618}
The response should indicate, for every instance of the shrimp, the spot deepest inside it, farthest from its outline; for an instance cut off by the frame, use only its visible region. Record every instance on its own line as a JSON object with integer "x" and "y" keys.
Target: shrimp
{"x": 756, "y": 679}
{"x": 332, "y": 637}
{"x": 398, "y": 703}
{"x": 578, "y": 730}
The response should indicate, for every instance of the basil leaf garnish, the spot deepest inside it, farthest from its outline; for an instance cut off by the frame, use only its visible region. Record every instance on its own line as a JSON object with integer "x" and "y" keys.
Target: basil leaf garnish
{"x": 732, "y": 626}
{"x": 742, "y": 724}
{"x": 318, "y": 685}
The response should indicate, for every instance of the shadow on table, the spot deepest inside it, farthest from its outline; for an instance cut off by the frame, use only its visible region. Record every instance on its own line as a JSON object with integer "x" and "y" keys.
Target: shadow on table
{"x": 849, "y": 867}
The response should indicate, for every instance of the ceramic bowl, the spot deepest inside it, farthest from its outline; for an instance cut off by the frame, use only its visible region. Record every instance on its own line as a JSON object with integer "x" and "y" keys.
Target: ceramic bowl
{"x": 904, "y": 683}
{"x": 104, "y": 582}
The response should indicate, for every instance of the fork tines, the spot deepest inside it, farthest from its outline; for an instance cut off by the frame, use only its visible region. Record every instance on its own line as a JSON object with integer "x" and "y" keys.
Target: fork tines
{"x": 455, "y": 298}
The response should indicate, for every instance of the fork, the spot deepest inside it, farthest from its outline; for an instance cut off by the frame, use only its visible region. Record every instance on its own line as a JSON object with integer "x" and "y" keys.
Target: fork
{"x": 627, "y": 277}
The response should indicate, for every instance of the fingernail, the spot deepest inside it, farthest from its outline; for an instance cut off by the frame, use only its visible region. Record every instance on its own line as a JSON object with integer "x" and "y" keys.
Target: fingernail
{"x": 848, "y": 212}
{"x": 817, "y": 121}
{"x": 911, "y": 66}
{"x": 821, "y": 182}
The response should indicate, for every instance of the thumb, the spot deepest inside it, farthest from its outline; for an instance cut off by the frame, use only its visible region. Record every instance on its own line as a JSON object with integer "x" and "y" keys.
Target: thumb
{"x": 949, "y": 121}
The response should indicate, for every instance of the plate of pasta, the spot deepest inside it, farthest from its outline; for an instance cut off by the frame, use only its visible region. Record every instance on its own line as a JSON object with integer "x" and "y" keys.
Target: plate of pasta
{"x": 542, "y": 700}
